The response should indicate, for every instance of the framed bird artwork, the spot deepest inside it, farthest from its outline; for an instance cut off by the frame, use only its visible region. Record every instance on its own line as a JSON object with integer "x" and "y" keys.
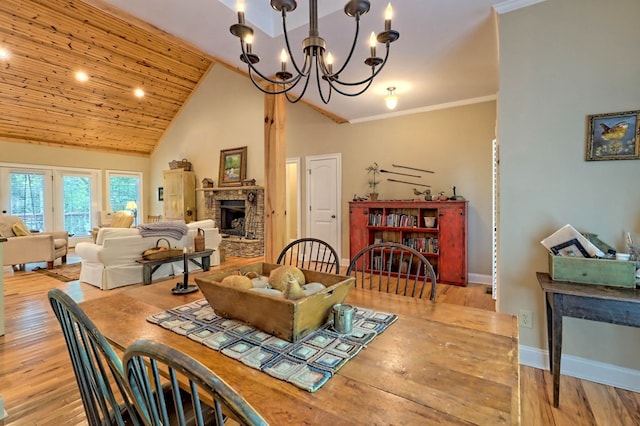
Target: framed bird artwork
{"x": 613, "y": 136}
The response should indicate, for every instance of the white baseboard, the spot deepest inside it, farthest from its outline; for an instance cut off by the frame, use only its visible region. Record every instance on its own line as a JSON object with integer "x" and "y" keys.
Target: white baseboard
{"x": 479, "y": 279}
{"x": 585, "y": 369}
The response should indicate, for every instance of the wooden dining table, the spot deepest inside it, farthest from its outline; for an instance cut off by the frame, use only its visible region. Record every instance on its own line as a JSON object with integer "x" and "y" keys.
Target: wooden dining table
{"x": 437, "y": 364}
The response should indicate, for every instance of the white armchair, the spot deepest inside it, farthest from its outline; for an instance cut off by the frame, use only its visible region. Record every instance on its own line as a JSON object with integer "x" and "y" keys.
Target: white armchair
{"x": 37, "y": 247}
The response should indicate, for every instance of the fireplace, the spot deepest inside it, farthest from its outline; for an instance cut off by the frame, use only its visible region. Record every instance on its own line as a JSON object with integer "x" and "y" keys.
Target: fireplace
{"x": 232, "y": 217}
{"x": 239, "y": 215}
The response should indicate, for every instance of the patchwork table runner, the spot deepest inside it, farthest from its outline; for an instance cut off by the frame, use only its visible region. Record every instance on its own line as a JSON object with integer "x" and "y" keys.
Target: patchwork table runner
{"x": 307, "y": 364}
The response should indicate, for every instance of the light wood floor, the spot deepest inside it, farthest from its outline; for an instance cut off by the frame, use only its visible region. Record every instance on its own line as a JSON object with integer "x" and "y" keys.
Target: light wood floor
{"x": 38, "y": 386}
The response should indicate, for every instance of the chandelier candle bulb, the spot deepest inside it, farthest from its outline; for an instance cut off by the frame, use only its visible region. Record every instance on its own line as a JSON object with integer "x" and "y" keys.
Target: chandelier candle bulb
{"x": 372, "y": 43}
{"x": 388, "y": 14}
{"x": 248, "y": 41}
{"x": 283, "y": 60}
{"x": 240, "y": 9}
{"x": 329, "y": 62}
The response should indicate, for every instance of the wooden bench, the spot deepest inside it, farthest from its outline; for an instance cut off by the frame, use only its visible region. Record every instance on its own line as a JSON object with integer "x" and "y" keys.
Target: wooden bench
{"x": 150, "y": 266}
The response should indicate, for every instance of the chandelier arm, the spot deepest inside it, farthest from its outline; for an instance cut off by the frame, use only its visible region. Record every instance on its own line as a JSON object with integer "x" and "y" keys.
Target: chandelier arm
{"x": 353, "y": 47}
{"x": 304, "y": 71}
{"x": 320, "y": 92}
{"x": 286, "y": 86}
{"x": 292, "y": 80}
{"x": 368, "y": 80}
{"x": 251, "y": 67}
{"x": 294, "y": 100}
{"x": 368, "y": 83}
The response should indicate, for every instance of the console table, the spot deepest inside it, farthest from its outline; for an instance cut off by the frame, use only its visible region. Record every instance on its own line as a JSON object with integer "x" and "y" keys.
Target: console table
{"x": 613, "y": 305}
{"x": 150, "y": 266}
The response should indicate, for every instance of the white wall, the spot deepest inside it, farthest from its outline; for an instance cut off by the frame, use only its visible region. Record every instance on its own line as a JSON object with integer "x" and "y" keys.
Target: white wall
{"x": 455, "y": 143}
{"x": 224, "y": 112}
{"x": 561, "y": 60}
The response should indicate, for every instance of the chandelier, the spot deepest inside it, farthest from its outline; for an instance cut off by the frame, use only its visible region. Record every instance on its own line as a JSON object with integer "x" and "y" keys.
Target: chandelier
{"x": 317, "y": 60}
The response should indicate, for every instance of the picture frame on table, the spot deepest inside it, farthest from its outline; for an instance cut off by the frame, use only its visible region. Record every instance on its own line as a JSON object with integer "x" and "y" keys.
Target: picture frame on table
{"x": 613, "y": 136}
{"x": 233, "y": 166}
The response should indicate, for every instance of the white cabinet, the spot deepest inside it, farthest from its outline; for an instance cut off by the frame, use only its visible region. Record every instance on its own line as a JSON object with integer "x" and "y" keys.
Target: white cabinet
{"x": 179, "y": 195}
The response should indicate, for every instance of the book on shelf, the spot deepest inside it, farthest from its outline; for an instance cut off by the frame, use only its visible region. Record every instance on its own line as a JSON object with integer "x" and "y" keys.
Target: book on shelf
{"x": 375, "y": 219}
{"x": 401, "y": 220}
{"x": 424, "y": 245}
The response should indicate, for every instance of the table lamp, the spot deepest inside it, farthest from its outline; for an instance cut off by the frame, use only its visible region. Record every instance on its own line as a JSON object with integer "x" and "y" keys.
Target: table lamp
{"x": 131, "y": 205}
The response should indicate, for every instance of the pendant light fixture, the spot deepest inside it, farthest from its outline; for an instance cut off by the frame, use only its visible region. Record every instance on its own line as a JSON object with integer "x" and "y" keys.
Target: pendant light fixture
{"x": 317, "y": 59}
{"x": 391, "y": 99}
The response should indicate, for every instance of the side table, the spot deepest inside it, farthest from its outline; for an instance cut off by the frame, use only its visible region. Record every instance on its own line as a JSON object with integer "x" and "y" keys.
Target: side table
{"x": 613, "y": 305}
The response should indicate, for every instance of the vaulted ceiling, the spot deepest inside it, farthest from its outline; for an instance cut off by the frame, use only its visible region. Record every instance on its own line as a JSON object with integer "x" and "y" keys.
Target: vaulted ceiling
{"x": 446, "y": 55}
{"x": 41, "y": 101}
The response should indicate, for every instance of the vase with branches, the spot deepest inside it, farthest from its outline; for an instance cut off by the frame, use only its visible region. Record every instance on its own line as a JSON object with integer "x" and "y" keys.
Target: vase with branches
{"x": 373, "y": 181}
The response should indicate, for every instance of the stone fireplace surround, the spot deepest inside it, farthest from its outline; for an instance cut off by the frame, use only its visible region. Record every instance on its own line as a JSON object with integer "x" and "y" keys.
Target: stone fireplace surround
{"x": 254, "y": 218}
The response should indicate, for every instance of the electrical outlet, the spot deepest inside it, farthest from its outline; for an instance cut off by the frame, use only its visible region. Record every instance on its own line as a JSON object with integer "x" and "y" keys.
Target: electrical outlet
{"x": 525, "y": 319}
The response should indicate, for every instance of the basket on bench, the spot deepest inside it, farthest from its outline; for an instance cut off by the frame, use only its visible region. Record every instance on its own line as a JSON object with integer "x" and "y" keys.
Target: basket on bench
{"x": 161, "y": 252}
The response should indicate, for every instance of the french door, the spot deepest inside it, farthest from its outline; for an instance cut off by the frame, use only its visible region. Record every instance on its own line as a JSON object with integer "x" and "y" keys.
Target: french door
{"x": 51, "y": 199}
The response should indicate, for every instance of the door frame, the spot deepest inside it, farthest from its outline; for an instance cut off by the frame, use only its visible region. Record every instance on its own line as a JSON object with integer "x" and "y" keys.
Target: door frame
{"x": 338, "y": 158}
{"x": 298, "y": 201}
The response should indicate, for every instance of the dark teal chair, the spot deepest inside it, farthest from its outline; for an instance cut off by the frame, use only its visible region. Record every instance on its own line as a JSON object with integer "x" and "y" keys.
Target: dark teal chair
{"x": 393, "y": 268}
{"x": 312, "y": 254}
{"x": 97, "y": 367}
{"x": 190, "y": 393}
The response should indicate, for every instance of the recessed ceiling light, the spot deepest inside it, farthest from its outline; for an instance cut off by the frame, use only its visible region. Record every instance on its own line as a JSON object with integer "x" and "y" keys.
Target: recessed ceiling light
{"x": 82, "y": 76}
{"x": 4, "y": 53}
{"x": 138, "y": 92}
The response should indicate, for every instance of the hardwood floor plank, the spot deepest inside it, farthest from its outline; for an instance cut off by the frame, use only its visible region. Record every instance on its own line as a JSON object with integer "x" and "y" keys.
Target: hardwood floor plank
{"x": 604, "y": 401}
{"x": 631, "y": 402}
{"x": 534, "y": 402}
{"x": 39, "y": 388}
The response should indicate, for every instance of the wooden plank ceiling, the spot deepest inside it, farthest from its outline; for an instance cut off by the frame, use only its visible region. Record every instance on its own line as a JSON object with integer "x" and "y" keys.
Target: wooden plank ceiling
{"x": 41, "y": 102}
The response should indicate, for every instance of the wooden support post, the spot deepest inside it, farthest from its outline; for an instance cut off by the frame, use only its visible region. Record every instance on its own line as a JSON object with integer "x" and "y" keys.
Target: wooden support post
{"x": 275, "y": 179}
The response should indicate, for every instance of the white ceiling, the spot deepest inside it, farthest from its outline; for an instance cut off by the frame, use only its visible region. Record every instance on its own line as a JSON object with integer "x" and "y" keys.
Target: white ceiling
{"x": 446, "y": 53}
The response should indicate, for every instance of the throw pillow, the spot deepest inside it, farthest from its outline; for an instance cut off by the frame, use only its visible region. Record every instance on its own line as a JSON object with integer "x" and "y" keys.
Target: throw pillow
{"x": 20, "y": 229}
{"x": 121, "y": 221}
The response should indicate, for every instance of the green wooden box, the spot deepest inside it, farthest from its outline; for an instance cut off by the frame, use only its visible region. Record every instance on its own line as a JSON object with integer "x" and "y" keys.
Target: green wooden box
{"x": 593, "y": 271}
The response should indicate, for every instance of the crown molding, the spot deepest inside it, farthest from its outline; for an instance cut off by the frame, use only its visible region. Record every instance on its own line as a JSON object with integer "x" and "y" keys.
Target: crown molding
{"x": 511, "y": 5}
{"x": 425, "y": 109}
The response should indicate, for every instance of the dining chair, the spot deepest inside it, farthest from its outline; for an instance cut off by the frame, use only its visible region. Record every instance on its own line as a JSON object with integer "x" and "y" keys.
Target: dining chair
{"x": 393, "y": 268}
{"x": 153, "y": 369}
{"x": 310, "y": 253}
{"x": 154, "y": 218}
{"x": 98, "y": 369}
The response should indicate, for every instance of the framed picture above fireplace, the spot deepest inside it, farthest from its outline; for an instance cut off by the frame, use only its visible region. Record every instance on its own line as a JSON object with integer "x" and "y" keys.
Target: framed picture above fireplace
{"x": 233, "y": 166}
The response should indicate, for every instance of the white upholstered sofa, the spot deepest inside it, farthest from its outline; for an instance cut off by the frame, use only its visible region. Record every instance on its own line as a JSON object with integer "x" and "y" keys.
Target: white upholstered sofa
{"x": 110, "y": 262}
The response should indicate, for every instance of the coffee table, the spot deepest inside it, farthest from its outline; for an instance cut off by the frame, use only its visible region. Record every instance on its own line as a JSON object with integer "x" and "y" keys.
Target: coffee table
{"x": 200, "y": 258}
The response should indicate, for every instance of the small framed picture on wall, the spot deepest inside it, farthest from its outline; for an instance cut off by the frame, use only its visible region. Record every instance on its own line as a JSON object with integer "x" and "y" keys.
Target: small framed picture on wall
{"x": 233, "y": 166}
{"x": 613, "y": 136}
{"x": 160, "y": 193}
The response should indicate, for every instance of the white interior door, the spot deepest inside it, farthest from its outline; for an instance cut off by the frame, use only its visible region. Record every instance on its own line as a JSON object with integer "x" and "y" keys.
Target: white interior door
{"x": 324, "y": 177}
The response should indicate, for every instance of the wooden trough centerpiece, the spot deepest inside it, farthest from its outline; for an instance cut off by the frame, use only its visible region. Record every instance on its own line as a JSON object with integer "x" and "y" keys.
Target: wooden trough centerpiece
{"x": 290, "y": 320}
